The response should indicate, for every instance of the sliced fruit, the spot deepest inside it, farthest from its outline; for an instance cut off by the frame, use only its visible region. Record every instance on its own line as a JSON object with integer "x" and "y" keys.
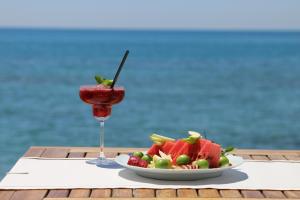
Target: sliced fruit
{"x": 183, "y": 159}
{"x": 162, "y": 137}
{"x": 165, "y": 156}
{"x": 195, "y": 150}
{"x": 133, "y": 160}
{"x": 202, "y": 164}
{"x": 210, "y": 151}
{"x": 158, "y": 143}
{"x": 154, "y": 150}
{"x": 214, "y": 155}
{"x": 159, "y": 139}
{"x": 186, "y": 149}
{"x": 143, "y": 163}
{"x": 167, "y": 146}
{"x": 193, "y": 138}
{"x": 223, "y": 161}
{"x": 205, "y": 149}
{"x": 147, "y": 158}
{"x": 187, "y": 167}
{"x": 176, "y": 148}
{"x": 163, "y": 164}
{"x": 155, "y": 158}
{"x": 156, "y": 140}
{"x": 138, "y": 154}
{"x": 195, "y": 134}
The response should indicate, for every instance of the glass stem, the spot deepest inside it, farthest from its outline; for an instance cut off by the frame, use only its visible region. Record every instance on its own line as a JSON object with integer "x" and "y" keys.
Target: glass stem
{"x": 101, "y": 155}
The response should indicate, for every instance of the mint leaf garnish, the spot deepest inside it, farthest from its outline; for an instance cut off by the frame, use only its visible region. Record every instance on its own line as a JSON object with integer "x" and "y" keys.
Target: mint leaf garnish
{"x": 103, "y": 81}
{"x": 107, "y": 82}
{"x": 99, "y": 79}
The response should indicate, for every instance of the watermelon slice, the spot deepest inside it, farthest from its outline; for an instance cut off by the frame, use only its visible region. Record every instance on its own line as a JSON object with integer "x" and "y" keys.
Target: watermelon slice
{"x": 182, "y": 147}
{"x": 154, "y": 150}
{"x": 185, "y": 149}
{"x": 195, "y": 150}
{"x": 176, "y": 148}
{"x": 167, "y": 146}
{"x": 211, "y": 152}
{"x": 205, "y": 149}
{"x": 214, "y": 155}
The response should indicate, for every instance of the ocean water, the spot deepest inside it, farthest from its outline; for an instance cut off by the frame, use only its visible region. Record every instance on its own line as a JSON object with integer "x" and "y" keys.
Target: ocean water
{"x": 240, "y": 88}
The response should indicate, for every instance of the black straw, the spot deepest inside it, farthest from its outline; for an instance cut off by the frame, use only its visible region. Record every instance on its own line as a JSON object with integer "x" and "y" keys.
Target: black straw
{"x": 119, "y": 69}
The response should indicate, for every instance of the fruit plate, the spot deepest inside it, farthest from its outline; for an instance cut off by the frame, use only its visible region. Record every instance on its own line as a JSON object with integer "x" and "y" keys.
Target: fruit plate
{"x": 179, "y": 174}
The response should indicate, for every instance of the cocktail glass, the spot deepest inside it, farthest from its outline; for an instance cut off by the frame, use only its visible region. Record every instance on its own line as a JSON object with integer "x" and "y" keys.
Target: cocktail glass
{"x": 101, "y": 98}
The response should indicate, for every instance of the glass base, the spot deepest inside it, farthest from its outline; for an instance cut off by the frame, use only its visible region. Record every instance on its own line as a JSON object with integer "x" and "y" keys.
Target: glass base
{"x": 104, "y": 163}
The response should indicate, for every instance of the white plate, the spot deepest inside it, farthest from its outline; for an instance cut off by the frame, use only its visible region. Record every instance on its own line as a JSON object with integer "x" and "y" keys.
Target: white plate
{"x": 178, "y": 174}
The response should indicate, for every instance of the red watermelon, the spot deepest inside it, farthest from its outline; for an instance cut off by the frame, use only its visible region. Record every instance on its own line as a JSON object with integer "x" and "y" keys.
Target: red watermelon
{"x": 167, "y": 146}
{"x": 187, "y": 149}
{"x": 176, "y": 148}
{"x": 154, "y": 150}
{"x": 211, "y": 152}
{"x": 205, "y": 149}
{"x": 214, "y": 155}
{"x": 195, "y": 149}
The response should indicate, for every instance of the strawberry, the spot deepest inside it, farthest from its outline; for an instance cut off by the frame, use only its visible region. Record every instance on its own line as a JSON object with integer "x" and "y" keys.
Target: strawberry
{"x": 133, "y": 160}
{"x": 143, "y": 163}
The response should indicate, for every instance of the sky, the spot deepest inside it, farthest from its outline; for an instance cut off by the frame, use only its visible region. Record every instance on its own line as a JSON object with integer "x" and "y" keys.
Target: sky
{"x": 152, "y": 14}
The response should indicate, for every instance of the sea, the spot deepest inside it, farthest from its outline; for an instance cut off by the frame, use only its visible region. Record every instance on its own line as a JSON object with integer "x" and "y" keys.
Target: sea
{"x": 238, "y": 88}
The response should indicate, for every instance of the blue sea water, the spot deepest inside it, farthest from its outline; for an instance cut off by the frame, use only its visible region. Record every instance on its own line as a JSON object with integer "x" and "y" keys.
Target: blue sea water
{"x": 240, "y": 88}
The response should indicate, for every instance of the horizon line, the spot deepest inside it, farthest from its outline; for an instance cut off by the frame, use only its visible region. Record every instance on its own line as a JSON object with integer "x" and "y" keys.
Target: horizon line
{"x": 146, "y": 29}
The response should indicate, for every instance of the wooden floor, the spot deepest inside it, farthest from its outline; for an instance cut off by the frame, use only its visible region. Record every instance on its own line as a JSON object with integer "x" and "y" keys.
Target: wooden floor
{"x": 71, "y": 152}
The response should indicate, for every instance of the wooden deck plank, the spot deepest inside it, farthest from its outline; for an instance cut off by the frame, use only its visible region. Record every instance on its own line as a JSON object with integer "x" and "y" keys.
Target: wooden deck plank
{"x": 292, "y": 194}
{"x": 152, "y": 198}
{"x": 165, "y": 193}
{"x": 188, "y": 193}
{"x": 122, "y": 192}
{"x": 142, "y": 193}
{"x": 79, "y": 193}
{"x": 91, "y": 154}
{"x": 6, "y": 194}
{"x": 245, "y": 156}
{"x": 276, "y": 157}
{"x": 100, "y": 193}
{"x": 55, "y": 153}
{"x": 34, "y": 152}
{"x": 273, "y": 194}
{"x": 29, "y": 195}
{"x": 266, "y": 152}
{"x": 96, "y": 154}
{"x": 230, "y": 193}
{"x": 208, "y": 193}
{"x": 252, "y": 194}
{"x": 292, "y": 157}
{"x": 107, "y": 149}
{"x": 58, "y": 193}
{"x": 111, "y": 154}
{"x": 260, "y": 157}
{"x": 131, "y": 149}
{"x": 76, "y": 155}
